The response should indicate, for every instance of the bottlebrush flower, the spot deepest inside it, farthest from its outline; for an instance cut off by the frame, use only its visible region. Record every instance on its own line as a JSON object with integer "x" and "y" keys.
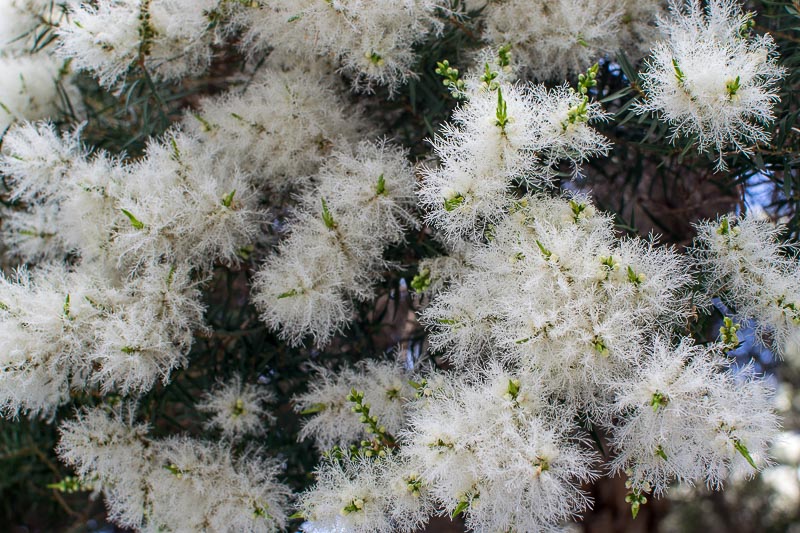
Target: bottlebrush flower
{"x": 711, "y": 78}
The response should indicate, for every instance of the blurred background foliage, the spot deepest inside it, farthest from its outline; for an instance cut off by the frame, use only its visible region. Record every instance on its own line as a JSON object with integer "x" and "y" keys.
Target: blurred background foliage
{"x": 650, "y": 185}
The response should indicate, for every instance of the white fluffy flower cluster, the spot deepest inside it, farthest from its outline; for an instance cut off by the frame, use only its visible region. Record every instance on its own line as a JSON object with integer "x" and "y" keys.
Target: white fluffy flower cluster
{"x": 436, "y": 273}
{"x": 145, "y": 232}
{"x": 744, "y": 263}
{"x": 24, "y": 21}
{"x": 555, "y": 290}
{"x": 547, "y": 318}
{"x": 711, "y": 78}
{"x": 334, "y": 252}
{"x": 173, "y": 484}
{"x": 555, "y": 296}
{"x": 280, "y": 128}
{"x": 167, "y": 207}
{"x": 29, "y": 88}
{"x": 361, "y": 495}
{"x": 371, "y": 488}
{"x": 180, "y": 207}
{"x": 64, "y": 332}
{"x": 371, "y": 39}
{"x": 552, "y": 321}
{"x": 494, "y": 449}
{"x": 682, "y": 417}
{"x": 553, "y": 39}
{"x": 548, "y": 322}
{"x": 385, "y": 386}
{"x": 236, "y": 409}
{"x": 169, "y": 38}
{"x": 35, "y": 85}
{"x": 504, "y": 135}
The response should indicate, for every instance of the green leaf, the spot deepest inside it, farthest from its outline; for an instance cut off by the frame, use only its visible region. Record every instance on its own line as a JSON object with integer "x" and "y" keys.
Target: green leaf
{"x": 314, "y": 409}
{"x": 732, "y": 86}
{"x": 513, "y": 388}
{"x": 504, "y": 55}
{"x": 70, "y": 485}
{"x": 489, "y": 76}
{"x": 661, "y": 453}
{"x": 460, "y": 508}
{"x": 174, "y": 470}
{"x": 421, "y": 281}
{"x": 381, "y": 188}
{"x": 742, "y": 449}
{"x": 452, "y": 203}
{"x": 678, "y": 72}
{"x": 327, "y": 217}
{"x": 633, "y": 277}
{"x": 658, "y": 400}
{"x": 176, "y": 152}
{"x": 227, "y": 200}
{"x": 502, "y": 110}
{"x": 288, "y": 294}
{"x": 205, "y": 124}
{"x": 545, "y": 252}
{"x": 134, "y": 221}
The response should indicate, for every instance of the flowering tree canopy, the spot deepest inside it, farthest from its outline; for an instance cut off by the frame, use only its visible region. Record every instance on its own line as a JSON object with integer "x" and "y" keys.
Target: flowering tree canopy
{"x": 352, "y": 265}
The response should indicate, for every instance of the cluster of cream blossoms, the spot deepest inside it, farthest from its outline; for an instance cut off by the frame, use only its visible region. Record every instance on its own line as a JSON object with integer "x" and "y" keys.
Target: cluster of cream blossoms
{"x": 555, "y": 38}
{"x": 550, "y": 323}
{"x": 711, "y": 78}
{"x": 559, "y": 301}
{"x": 756, "y": 275}
{"x": 35, "y": 83}
{"x": 171, "y": 39}
{"x": 334, "y": 252}
{"x": 174, "y": 483}
{"x": 142, "y": 235}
